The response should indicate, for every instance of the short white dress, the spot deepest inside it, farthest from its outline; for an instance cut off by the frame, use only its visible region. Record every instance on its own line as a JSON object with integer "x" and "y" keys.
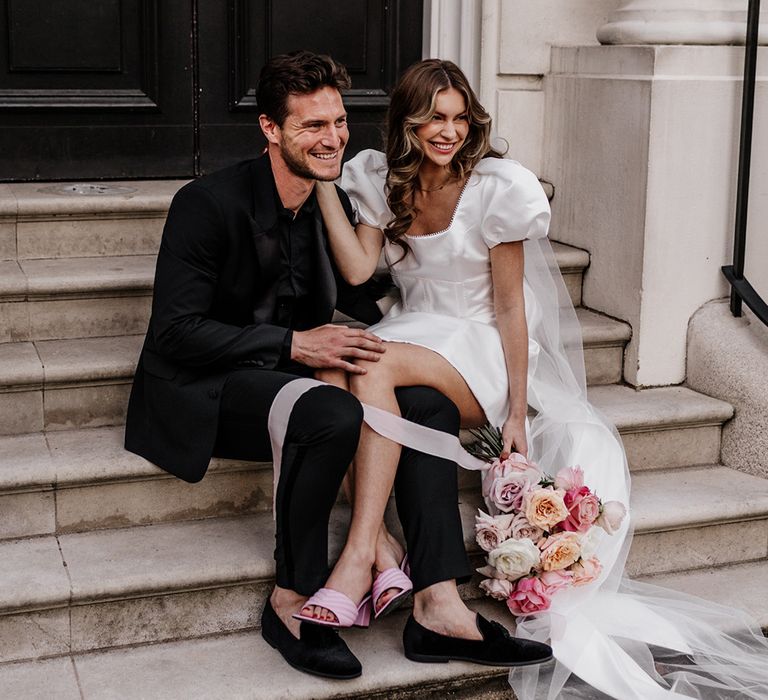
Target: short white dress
{"x": 446, "y": 294}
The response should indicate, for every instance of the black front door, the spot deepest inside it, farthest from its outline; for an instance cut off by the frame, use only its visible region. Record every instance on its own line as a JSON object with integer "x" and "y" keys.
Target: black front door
{"x": 165, "y": 88}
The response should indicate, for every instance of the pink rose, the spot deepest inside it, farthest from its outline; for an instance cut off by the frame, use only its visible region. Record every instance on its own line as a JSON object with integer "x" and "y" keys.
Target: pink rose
{"x": 569, "y": 478}
{"x": 586, "y": 570}
{"x": 499, "y": 589}
{"x": 560, "y": 551}
{"x": 529, "y": 596}
{"x": 556, "y": 580}
{"x": 491, "y": 531}
{"x": 611, "y": 515}
{"x": 522, "y": 529}
{"x": 583, "y": 509}
{"x": 507, "y": 492}
{"x": 545, "y": 508}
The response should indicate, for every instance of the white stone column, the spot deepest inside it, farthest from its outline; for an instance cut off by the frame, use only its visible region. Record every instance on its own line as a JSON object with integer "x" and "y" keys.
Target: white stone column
{"x": 641, "y": 143}
{"x": 708, "y": 22}
{"x": 452, "y": 32}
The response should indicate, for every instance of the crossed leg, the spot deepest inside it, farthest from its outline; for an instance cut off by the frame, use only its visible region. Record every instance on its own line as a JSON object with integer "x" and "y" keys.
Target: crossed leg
{"x": 377, "y": 458}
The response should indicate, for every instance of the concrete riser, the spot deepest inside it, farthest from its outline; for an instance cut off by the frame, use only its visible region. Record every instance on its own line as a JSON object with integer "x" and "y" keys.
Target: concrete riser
{"x": 163, "y": 499}
{"x": 74, "y": 318}
{"x": 698, "y": 547}
{"x": 70, "y": 237}
{"x": 64, "y": 407}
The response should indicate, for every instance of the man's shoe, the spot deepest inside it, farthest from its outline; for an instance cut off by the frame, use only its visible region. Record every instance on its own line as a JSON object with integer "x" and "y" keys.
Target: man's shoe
{"x": 497, "y": 648}
{"x": 319, "y": 650}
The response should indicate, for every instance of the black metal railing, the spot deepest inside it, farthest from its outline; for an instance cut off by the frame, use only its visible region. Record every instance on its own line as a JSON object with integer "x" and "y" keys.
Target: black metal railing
{"x": 741, "y": 289}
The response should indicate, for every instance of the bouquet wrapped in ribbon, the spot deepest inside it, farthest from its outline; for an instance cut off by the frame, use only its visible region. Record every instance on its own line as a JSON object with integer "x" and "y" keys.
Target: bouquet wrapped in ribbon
{"x": 540, "y": 532}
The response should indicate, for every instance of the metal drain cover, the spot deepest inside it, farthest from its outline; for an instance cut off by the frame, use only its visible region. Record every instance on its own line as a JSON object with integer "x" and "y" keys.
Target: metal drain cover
{"x": 85, "y": 189}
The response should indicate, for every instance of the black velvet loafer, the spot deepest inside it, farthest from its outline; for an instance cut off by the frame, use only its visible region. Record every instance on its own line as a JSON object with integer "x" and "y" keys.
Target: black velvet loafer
{"x": 319, "y": 650}
{"x": 497, "y": 648}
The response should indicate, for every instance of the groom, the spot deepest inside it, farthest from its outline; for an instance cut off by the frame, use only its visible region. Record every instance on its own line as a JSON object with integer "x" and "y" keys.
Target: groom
{"x": 244, "y": 293}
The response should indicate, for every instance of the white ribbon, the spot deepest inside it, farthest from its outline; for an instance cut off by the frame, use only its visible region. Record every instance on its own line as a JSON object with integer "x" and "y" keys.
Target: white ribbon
{"x": 388, "y": 425}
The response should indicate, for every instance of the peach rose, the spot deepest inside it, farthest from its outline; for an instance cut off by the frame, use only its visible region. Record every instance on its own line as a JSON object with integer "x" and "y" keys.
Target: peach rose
{"x": 583, "y": 509}
{"x": 545, "y": 508}
{"x": 497, "y": 588}
{"x": 560, "y": 551}
{"x": 569, "y": 478}
{"x": 586, "y": 570}
{"x": 611, "y": 515}
{"x": 491, "y": 531}
{"x": 529, "y": 596}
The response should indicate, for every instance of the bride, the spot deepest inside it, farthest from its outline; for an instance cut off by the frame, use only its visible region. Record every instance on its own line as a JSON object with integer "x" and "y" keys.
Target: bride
{"x": 484, "y": 317}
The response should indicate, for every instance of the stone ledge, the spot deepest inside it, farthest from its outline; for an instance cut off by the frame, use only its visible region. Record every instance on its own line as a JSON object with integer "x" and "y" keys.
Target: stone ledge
{"x": 152, "y": 198}
{"x": 660, "y": 408}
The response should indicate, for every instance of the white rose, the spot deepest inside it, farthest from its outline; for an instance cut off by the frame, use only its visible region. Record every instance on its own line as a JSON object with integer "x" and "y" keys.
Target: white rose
{"x": 514, "y": 559}
{"x": 590, "y": 542}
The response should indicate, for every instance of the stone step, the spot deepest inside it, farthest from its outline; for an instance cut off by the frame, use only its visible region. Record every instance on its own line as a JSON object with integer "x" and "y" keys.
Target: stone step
{"x": 247, "y": 667}
{"x": 85, "y": 382}
{"x": 77, "y": 592}
{"x": 74, "y": 480}
{"x": 62, "y": 384}
{"x": 38, "y": 221}
{"x": 242, "y": 665}
{"x": 75, "y": 297}
{"x": 82, "y": 297}
{"x": 739, "y": 586}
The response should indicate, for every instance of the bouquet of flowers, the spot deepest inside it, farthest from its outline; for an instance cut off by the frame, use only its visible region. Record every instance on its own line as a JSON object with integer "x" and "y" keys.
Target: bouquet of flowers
{"x": 541, "y": 532}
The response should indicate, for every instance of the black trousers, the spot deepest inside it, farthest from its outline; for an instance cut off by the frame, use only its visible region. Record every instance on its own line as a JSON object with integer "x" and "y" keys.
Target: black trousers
{"x": 320, "y": 442}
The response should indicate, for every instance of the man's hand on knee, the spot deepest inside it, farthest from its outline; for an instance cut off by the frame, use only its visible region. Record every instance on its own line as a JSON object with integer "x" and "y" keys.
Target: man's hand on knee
{"x": 334, "y": 346}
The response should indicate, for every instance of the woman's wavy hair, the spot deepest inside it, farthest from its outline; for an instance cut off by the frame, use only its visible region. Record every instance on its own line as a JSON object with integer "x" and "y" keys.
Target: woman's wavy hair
{"x": 412, "y": 104}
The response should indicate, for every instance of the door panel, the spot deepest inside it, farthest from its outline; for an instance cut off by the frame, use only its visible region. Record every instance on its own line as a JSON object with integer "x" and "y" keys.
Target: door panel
{"x": 166, "y": 88}
{"x": 88, "y": 89}
{"x": 375, "y": 39}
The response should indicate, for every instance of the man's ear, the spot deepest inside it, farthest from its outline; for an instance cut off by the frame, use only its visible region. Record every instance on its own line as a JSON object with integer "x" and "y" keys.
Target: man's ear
{"x": 269, "y": 128}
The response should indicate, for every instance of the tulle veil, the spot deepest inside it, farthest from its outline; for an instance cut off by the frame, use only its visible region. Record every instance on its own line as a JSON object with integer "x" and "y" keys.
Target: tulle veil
{"x": 616, "y": 637}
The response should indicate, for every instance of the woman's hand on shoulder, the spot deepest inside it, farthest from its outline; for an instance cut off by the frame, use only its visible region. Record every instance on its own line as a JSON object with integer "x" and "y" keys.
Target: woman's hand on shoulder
{"x": 513, "y": 437}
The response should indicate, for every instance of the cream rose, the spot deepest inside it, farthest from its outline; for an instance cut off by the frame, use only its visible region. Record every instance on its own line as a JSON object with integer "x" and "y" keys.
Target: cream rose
{"x": 545, "y": 508}
{"x": 491, "y": 531}
{"x": 611, "y": 515}
{"x": 560, "y": 551}
{"x": 514, "y": 559}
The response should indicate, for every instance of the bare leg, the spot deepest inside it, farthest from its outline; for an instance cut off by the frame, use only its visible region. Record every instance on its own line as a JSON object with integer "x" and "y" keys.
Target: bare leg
{"x": 389, "y": 551}
{"x": 376, "y": 465}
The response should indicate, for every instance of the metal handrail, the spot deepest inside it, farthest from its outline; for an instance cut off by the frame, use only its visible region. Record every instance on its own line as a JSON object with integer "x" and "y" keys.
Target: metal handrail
{"x": 741, "y": 289}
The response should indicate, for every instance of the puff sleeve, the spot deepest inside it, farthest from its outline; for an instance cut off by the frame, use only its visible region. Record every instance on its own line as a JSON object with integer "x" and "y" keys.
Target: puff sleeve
{"x": 363, "y": 180}
{"x": 514, "y": 203}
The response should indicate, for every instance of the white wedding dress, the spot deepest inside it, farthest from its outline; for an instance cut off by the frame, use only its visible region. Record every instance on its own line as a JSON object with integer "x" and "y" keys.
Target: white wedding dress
{"x": 612, "y": 638}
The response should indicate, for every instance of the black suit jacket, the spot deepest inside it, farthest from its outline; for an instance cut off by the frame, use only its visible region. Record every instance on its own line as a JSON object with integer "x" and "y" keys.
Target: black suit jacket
{"x": 214, "y": 296}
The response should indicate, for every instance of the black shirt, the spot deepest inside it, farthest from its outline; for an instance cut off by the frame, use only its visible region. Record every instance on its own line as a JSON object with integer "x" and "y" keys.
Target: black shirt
{"x": 297, "y": 268}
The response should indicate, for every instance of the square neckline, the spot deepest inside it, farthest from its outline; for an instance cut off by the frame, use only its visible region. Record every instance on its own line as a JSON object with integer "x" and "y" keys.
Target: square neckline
{"x": 456, "y": 208}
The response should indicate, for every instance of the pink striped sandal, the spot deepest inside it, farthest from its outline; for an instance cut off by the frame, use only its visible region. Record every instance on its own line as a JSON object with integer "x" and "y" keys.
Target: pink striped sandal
{"x": 347, "y": 613}
{"x": 391, "y": 578}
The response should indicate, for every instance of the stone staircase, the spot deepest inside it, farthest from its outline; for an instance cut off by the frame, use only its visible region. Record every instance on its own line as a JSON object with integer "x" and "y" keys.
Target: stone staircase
{"x": 120, "y": 581}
